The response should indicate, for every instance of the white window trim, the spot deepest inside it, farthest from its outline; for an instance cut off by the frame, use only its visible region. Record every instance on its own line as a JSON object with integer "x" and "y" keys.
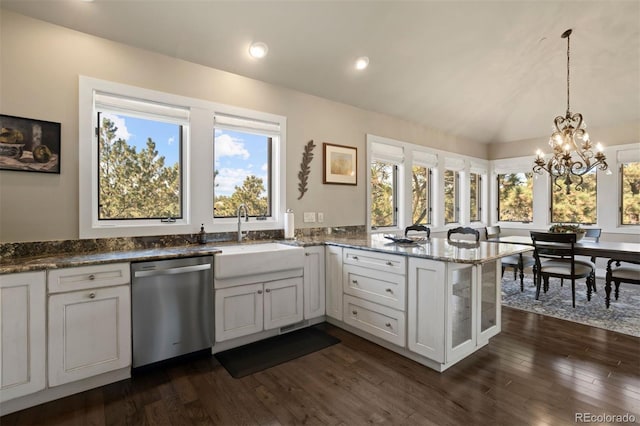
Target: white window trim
{"x": 435, "y": 160}
{"x": 197, "y": 167}
{"x": 608, "y": 191}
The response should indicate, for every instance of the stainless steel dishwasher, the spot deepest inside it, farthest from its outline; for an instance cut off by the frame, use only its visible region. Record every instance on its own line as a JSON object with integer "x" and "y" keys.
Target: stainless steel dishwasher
{"x": 171, "y": 308}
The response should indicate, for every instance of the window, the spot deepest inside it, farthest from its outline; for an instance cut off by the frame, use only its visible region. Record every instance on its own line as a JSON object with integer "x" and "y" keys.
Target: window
{"x": 475, "y": 197}
{"x": 630, "y": 193}
{"x": 139, "y": 147}
{"x": 242, "y": 173}
{"x": 515, "y": 197}
{"x": 140, "y": 173}
{"x": 384, "y": 178}
{"x": 421, "y": 195}
{"x": 579, "y": 206}
{"x": 451, "y": 197}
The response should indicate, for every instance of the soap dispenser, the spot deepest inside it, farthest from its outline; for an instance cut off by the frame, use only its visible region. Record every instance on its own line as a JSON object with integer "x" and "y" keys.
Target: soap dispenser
{"x": 202, "y": 236}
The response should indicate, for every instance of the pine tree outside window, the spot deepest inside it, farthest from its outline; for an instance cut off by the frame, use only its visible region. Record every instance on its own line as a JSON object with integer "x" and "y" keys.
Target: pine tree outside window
{"x": 579, "y": 206}
{"x": 515, "y": 197}
{"x": 630, "y": 193}
{"x": 140, "y": 170}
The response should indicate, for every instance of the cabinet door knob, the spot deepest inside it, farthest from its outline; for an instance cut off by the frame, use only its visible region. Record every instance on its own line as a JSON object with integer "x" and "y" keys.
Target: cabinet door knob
{"x": 92, "y": 277}
{"x": 307, "y": 254}
{"x": 388, "y": 290}
{"x": 92, "y": 295}
{"x": 354, "y": 312}
{"x": 354, "y": 281}
{"x": 389, "y": 263}
{"x": 259, "y": 291}
{"x": 267, "y": 290}
{"x": 355, "y": 257}
{"x": 388, "y": 325}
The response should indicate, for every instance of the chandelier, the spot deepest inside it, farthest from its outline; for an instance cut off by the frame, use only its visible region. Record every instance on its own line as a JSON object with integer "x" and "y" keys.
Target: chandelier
{"x": 573, "y": 154}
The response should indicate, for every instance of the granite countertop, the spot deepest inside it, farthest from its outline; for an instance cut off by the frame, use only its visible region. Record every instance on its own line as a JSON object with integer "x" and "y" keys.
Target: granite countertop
{"x": 433, "y": 248}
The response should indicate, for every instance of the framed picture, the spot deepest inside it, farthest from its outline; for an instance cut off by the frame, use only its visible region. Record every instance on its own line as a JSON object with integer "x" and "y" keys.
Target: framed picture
{"x": 29, "y": 145}
{"x": 340, "y": 164}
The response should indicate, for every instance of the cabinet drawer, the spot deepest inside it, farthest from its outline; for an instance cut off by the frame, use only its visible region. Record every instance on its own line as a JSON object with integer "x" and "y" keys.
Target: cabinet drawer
{"x": 84, "y": 277}
{"x": 378, "y": 320}
{"x": 380, "y": 287}
{"x": 374, "y": 260}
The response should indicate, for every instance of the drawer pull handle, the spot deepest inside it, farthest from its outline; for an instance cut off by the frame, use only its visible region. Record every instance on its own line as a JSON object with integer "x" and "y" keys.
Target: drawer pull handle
{"x": 354, "y": 281}
{"x": 259, "y": 291}
{"x": 92, "y": 295}
{"x": 388, "y": 325}
{"x": 354, "y": 312}
{"x": 388, "y": 290}
{"x": 389, "y": 263}
{"x": 92, "y": 277}
{"x": 268, "y": 290}
{"x": 355, "y": 257}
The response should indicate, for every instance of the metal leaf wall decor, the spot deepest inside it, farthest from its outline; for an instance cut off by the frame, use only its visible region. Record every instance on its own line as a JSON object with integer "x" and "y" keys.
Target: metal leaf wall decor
{"x": 303, "y": 174}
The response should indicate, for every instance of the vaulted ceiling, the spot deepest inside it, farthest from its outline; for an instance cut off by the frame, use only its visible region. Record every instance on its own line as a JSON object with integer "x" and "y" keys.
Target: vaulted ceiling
{"x": 490, "y": 71}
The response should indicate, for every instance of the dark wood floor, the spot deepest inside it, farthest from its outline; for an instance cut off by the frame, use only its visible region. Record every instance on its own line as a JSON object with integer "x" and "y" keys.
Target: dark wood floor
{"x": 539, "y": 370}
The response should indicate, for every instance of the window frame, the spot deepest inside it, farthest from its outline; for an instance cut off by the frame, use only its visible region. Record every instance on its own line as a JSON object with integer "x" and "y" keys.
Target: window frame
{"x": 533, "y": 210}
{"x": 478, "y": 194}
{"x": 621, "y": 165}
{"x": 456, "y": 197}
{"x": 197, "y": 171}
{"x": 394, "y": 194}
{"x": 552, "y": 188}
{"x": 428, "y": 198}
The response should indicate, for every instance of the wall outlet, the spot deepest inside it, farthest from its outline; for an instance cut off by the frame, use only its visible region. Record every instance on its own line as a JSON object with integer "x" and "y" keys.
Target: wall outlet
{"x": 309, "y": 217}
{"x": 320, "y": 217}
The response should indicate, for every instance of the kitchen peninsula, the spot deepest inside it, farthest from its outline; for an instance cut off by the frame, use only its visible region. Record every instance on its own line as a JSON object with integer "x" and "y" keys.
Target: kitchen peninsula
{"x": 434, "y": 302}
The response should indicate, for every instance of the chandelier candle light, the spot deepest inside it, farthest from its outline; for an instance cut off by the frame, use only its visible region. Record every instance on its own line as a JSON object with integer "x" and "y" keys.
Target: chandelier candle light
{"x": 570, "y": 135}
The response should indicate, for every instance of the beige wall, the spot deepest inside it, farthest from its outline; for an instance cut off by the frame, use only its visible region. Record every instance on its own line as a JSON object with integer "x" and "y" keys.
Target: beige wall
{"x": 39, "y": 68}
{"x": 626, "y": 133}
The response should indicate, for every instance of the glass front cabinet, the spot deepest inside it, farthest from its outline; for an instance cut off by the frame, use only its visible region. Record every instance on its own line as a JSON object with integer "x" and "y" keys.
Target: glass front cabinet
{"x": 454, "y": 308}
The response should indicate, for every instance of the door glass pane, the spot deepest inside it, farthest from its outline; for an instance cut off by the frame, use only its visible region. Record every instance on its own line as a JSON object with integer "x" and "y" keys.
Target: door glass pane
{"x": 488, "y": 316}
{"x": 461, "y": 306}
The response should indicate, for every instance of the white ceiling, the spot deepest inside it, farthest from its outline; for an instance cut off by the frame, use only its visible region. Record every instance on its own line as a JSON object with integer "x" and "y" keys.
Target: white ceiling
{"x": 491, "y": 71}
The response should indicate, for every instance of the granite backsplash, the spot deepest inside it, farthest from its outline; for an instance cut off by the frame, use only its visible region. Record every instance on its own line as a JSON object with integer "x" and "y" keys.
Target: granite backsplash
{"x": 48, "y": 248}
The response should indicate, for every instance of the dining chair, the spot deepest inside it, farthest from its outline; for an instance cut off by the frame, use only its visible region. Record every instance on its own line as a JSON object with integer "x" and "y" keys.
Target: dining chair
{"x": 623, "y": 272}
{"x": 418, "y": 228}
{"x": 593, "y": 235}
{"x": 554, "y": 254}
{"x": 462, "y": 231}
{"x": 516, "y": 261}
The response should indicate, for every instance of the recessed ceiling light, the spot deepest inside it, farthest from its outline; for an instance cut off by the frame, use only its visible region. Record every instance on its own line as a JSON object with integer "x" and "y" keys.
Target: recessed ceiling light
{"x": 258, "y": 50}
{"x": 362, "y": 62}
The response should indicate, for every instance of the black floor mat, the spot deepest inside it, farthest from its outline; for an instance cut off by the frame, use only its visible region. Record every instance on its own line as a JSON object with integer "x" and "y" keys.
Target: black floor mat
{"x": 258, "y": 356}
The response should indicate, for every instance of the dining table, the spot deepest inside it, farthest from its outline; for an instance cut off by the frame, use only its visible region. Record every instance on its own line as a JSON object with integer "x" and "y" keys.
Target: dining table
{"x": 622, "y": 251}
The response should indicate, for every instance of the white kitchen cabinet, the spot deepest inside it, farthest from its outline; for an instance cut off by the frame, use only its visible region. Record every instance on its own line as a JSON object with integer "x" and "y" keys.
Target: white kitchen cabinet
{"x": 283, "y": 304}
{"x": 90, "y": 327}
{"x": 453, "y": 308}
{"x": 381, "y": 321}
{"x": 22, "y": 334}
{"x": 239, "y": 311}
{"x": 426, "y": 308}
{"x": 374, "y": 286}
{"x": 333, "y": 267}
{"x": 314, "y": 282}
{"x": 251, "y": 308}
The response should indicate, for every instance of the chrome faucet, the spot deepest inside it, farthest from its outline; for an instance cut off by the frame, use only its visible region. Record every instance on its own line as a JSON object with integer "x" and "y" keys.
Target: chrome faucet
{"x": 246, "y": 216}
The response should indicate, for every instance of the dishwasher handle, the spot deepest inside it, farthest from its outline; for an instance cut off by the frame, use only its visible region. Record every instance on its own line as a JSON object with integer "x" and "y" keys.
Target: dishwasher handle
{"x": 173, "y": 271}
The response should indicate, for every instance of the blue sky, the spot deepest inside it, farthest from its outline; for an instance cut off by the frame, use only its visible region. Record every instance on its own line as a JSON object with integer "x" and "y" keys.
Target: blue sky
{"x": 238, "y": 154}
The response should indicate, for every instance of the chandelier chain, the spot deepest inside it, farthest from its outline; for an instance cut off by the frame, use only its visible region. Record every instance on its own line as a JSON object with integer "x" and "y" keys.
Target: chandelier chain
{"x": 568, "y": 66}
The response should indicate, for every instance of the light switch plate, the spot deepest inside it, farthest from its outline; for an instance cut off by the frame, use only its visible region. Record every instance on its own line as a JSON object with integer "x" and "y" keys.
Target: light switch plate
{"x": 320, "y": 217}
{"x": 309, "y": 216}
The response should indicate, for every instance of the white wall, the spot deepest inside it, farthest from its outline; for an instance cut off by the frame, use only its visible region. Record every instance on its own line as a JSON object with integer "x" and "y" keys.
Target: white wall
{"x": 39, "y": 68}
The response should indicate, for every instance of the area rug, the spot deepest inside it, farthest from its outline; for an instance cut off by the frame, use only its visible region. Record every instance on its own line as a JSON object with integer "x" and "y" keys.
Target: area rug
{"x": 258, "y": 356}
{"x": 623, "y": 315}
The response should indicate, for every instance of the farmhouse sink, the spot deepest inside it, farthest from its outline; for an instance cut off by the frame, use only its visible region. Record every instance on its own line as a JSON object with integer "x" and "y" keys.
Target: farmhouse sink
{"x": 256, "y": 259}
